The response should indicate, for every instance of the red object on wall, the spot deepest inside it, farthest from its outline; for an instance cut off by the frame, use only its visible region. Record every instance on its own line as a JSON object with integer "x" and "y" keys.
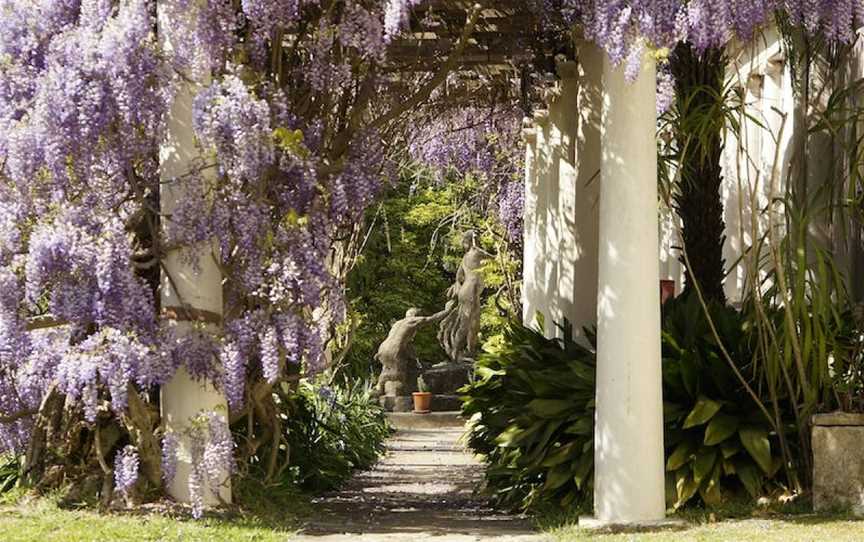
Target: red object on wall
{"x": 667, "y": 290}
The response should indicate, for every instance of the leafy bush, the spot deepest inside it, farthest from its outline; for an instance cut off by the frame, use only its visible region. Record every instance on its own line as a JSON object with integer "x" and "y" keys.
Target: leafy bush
{"x": 532, "y": 413}
{"x": 717, "y": 438}
{"x": 331, "y": 432}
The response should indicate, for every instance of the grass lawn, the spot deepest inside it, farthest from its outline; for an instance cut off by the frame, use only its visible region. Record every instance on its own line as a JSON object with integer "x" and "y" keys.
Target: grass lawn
{"x": 783, "y": 529}
{"x": 735, "y": 522}
{"x": 24, "y": 519}
{"x": 276, "y": 517}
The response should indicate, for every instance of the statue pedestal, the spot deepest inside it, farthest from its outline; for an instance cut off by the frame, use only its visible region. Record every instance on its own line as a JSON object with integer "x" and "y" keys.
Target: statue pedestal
{"x": 444, "y": 381}
{"x": 397, "y": 403}
{"x": 447, "y": 378}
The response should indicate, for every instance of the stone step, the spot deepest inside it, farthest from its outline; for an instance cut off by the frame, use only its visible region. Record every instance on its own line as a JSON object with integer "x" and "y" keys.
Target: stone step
{"x": 408, "y": 421}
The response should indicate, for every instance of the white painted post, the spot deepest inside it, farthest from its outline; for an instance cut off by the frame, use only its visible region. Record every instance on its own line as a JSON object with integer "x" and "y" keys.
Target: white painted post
{"x": 530, "y": 259}
{"x": 184, "y": 285}
{"x": 628, "y": 441}
{"x": 544, "y": 256}
{"x": 555, "y": 235}
{"x": 577, "y": 115}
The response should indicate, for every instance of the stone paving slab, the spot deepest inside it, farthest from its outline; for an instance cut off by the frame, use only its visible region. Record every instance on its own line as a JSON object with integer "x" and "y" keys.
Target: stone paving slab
{"x": 424, "y": 488}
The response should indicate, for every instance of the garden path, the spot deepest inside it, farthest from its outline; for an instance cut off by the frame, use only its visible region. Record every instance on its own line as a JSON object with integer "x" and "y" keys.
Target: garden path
{"x": 423, "y": 489}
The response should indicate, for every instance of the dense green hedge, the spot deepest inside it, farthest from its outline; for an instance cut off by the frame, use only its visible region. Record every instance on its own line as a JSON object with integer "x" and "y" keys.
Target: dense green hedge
{"x": 532, "y": 413}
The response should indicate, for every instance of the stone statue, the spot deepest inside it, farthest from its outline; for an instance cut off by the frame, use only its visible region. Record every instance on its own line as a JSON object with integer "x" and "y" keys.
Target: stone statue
{"x": 459, "y": 331}
{"x": 397, "y": 355}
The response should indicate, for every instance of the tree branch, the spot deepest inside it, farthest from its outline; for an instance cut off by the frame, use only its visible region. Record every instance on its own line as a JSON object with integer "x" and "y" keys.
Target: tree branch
{"x": 440, "y": 76}
{"x": 12, "y": 418}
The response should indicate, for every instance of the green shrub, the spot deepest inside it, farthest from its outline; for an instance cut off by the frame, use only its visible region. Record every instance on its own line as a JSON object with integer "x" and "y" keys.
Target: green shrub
{"x": 717, "y": 439}
{"x": 531, "y": 408}
{"x": 532, "y": 413}
{"x": 332, "y": 431}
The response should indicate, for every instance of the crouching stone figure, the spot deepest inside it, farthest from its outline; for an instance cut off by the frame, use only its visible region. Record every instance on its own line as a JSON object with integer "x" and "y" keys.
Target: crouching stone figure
{"x": 397, "y": 355}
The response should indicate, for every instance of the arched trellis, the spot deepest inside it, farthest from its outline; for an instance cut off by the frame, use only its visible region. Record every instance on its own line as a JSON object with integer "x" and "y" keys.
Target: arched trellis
{"x": 622, "y": 146}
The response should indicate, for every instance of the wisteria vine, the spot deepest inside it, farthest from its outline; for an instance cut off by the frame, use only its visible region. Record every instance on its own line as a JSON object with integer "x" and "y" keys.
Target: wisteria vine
{"x": 289, "y": 128}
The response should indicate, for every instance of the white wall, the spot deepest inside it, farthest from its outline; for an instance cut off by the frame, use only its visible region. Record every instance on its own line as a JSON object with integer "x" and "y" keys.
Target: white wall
{"x": 561, "y": 199}
{"x": 560, "y": 273}
{"x": 756, "y": 161}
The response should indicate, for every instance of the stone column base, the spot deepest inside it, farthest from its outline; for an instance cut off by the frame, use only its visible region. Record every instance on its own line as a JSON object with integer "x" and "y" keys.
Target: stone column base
{"x": 590, "y": 523}
{"x": 838, "y": 465}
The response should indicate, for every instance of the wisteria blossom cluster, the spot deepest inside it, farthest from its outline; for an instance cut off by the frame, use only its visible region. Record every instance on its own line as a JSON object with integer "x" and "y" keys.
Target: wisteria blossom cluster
{"x": 211, "y": 451}
{"x": 625, "y": 28}
{"x": 81, "y": 102}
{"x": 482, "y": 142}
{"x": 470, "y": 140}
{"x": 126, "y": 470}
{"x": 291, "y": 160}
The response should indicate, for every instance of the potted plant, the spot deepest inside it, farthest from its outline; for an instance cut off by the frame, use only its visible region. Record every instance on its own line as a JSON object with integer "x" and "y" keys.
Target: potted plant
{"x": 422, "y": 397}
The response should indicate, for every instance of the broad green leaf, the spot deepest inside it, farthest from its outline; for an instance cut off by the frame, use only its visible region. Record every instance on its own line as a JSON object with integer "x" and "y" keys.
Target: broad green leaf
{"x": 704, "y": 410}
{"x": 749, "y": 476}
{"x": 689, "y": 374}
{"x": 557, "y": 477}
{"x": 671, "y": 490}
{"x": 564, "y": 453}
{"x": 704, "y": 463}
{"x": 672, "y": 411}
{"x": 730, "y": 448}
{"x": 755, "y": 441}
{"x": 685, "y": 487}
{"x": 680, "y": 456}
{"x": 485, "y": 373}
{"x": 583, "y": 426}
{"x": 580, "y": 472}
{"x": 710, "y": 489}
{"x": 550, "y": 408}
{"x": 509, "y": 436}
{"x": 721, "y": 427}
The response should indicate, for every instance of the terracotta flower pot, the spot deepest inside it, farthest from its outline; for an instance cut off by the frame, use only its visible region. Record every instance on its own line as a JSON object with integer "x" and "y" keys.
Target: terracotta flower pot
{"x": 422, "y": 402}
{"x": 667, "y": 290}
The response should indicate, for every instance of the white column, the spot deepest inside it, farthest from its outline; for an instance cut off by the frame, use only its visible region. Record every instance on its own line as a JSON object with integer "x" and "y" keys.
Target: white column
{"x": 577, "y": 114}
{"x": 530, "y": 260}
{"x": 555, "y": 236}
{"x": 544, "y": 253}
{"x": 186, "y": 285}
{"x": 628, "y": 441}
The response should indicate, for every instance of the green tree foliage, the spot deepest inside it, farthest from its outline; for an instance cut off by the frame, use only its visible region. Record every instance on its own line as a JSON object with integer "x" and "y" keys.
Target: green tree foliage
{"x": 410, "y": 260}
